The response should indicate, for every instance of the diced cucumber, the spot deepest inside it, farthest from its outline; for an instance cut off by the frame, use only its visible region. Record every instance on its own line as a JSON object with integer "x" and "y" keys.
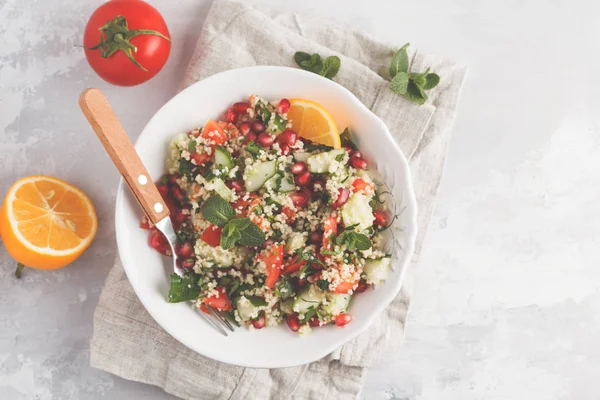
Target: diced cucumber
{"x": 286, "y": 183}
{"x": 222, "y": 190}
{"x": 311, "y": 297}
{"x": 320, "y": 163}
{"x": 286, "y": 306}
{"x": 377, "y": 270}
{"x": 295, "y": 241}
{"x": 357, "y": 210}
{"x": 259, "y": 173}
{"x": 301, "y": 156}
{"x": 246, "y": 309}
{"x": 223, "y": 158}
{"x": 336, "y": 303}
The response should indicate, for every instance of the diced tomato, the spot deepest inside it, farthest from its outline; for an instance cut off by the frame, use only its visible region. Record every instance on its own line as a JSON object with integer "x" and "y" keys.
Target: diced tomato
{"x": 360, "y": 185}
{"x": 230, "y": 129}
{"x": 347, "y": 284}
{"x": 245, "y": 207}
{"x": 200, "y": 158}
{"x": 204, "y": 309}
{"x": 273, "y": 258}
{"x": 212, "y": 235}
{"x": 213, "y": 132}
{"x": 220, "y": 303}
{"x": 159, "y": 242}
{"x": 289, "y": 213}
{"x": 330, "y": 229}
{"x": 293, "y": 265}
{"x": 261, "y": 222}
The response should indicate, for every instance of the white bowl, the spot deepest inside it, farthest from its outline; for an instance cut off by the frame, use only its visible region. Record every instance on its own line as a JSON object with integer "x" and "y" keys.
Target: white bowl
{"x": 149, "y": 272}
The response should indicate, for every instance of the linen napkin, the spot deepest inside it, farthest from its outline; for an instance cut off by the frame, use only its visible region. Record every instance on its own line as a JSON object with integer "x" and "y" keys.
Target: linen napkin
{"x": 127, "y": 341}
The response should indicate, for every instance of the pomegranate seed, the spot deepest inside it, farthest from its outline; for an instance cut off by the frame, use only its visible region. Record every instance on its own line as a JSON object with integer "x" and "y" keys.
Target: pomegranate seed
{"x": 349, "y": 150}
{"x": 259, "y": 322}
{"x": 298, "y": 168}
{"x": 186, "y": 250}
{"x": 257, "y": 127}
{"x": 314, "y": 277}
{"x": 293, "y": 322}
{"x": 343, "y": 319}
{"x": 381, "y": 218}
{"x": 180, "y": 216}
{"x": 244, "y": 128}
{"x": 316, "y": 237}
{"x": 229, "y": 115}
{"x": 250, "y": 137}
{"x": 236, "y": 185}
{"x": 188, "y": 263}
{"x": 173, "y": 179}
{"x": 303, "y": 179}
{"x": 177, "y": 193}
{"x": 358, "y": 163}
{"x": 265, "y": 140}
{"x": 314, "y": 321}
{"x": 240, "y": 107}
{"x": 283, "y": 106}
{"x": 342, "y": 198}
{"x": 300, "y": 199}
{"x": 300, "y": 283}
{"x": 285, "y": 149}
{"x": 356, "y": 153}
{"x": 288, "y": 137}
{"x": 362, "y": 287}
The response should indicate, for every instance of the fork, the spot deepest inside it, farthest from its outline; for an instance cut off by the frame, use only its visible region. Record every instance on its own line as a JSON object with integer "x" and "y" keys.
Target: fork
{"x": 109, "y": 130}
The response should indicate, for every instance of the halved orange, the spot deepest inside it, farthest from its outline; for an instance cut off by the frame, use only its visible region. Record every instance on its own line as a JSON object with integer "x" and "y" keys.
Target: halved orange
{"x": 46, "y": 223}
{"x": 311, "y": 121}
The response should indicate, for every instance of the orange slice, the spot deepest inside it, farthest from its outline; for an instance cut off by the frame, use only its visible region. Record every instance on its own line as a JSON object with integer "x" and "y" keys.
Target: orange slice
{"x": 46, "y": 223}
{"x": 311, "y": 121}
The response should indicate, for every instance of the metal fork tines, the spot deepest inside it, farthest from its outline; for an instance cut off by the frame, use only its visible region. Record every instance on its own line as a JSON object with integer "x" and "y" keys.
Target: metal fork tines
{"x": 218, "y": 320}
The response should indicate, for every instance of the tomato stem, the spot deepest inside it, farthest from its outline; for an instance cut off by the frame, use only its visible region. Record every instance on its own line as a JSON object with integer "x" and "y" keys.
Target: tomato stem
{"x": 115, "y": 35}
{"x": 20, "y": 268}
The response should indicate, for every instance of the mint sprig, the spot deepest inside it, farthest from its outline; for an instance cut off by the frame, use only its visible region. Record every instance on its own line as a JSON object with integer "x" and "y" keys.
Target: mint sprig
{"x": 411, "y": 85}
{"x": 217, "y": 210}
{"x": 329, "y": 67}
{"x": 353, "y": 240}
{"x": 242, "y": 231}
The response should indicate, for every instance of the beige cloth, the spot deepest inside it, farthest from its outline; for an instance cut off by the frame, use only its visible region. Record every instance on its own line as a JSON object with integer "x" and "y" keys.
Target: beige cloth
{"x": 128, "y": 342}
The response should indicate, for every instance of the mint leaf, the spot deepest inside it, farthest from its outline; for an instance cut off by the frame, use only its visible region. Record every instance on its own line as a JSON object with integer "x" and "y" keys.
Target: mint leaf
{"x": 184, "y": 288}
{"x": 217, "y": 210}
{"x": 323, "y": 284}
{"x": 399, "y": 61}
{"x": 431, "y": 81}
{"x": 354, "y": 240}
{"x": 285, "y": 290}
{"x": 331, "y": 66}
{"x": 399, "y": 83}
{"x": 263, "y": 112}
{"x": 253, "y": 148}
{"x": 240, "y": 223}
{"x": 252, "y": 235}
{"x": 419, "y": 79}
{"x": 256, "y": 301}
{"x": 327, "y": 252}
{"x": 192, "y": 146}
{"x": 347, "y": 141}
{"x": 414, "y": 93}
{"x": 308, "y": 62}
{"x": 229, "y": 236}
{"x": 308, "y": 314}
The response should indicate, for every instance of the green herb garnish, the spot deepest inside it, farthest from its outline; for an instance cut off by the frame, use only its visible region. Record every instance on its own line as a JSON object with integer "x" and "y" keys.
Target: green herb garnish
{"x": 323, "y": 284}
{"x": 217, "y": 210}
{"x": 256, "y": 301}
{"x": 346, "y": 138}
{"x": 329, "y": 67}
{"x": 353, "y": 240}
{"x": 410, "y": 85}
{"x": 184, "y": 288}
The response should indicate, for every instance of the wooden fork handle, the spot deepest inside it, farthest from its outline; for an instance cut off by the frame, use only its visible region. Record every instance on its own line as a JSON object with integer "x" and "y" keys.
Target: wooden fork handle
{"x": 109, "y": 130}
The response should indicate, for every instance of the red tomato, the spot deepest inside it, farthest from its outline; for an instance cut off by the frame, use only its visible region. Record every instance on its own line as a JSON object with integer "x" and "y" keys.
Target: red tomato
{"x": 330, "y": 229}
{"x": 346, "y": 285}
{"x": 134, "y": 57}
{"x": 289, "y": 213}
{"x": 145, "y": 223}
{"x": 245, "y": 207}
{"x": 212, "y": 235}
{"x": 159, "y": 242}
{"x": 220, "y": 303}
{"x": 360, "y": 185}
{"x": 213, "y": 131}
{"x": 343, "y": 319}
{"x": 200, "y": 158}
{"x": 293, "y": 265}
{"x": 273, "y": 258}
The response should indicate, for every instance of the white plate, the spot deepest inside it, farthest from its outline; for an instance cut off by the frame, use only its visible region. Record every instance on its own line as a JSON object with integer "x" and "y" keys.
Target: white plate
{"x": 149, "y": 272}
